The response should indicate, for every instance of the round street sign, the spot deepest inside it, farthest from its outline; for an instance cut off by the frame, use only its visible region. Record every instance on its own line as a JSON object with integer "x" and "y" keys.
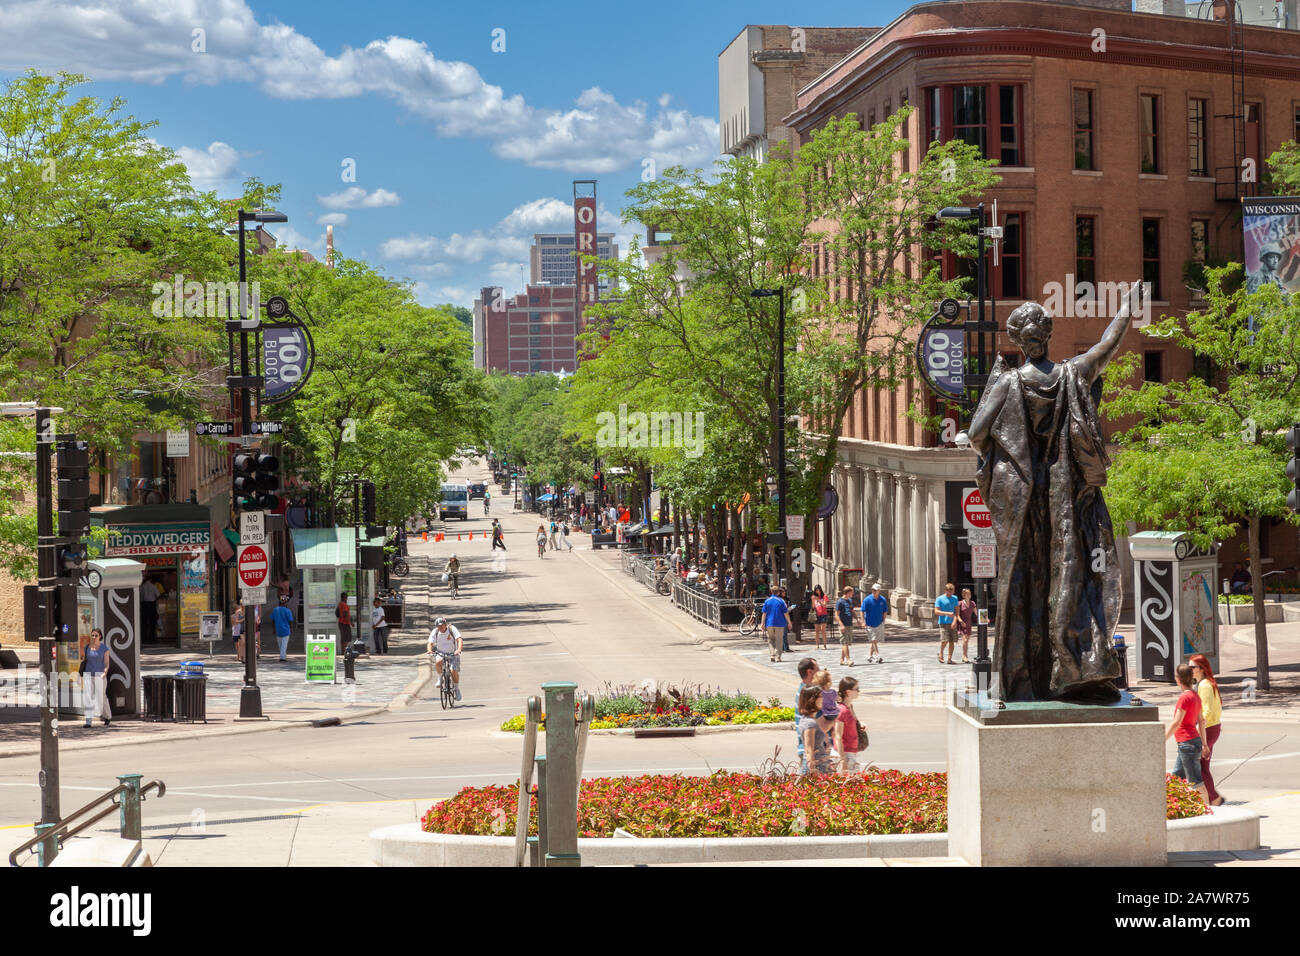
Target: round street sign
{"x": 950, "y": 309}
{"x": 974, "y": 512}
{"x": 277, "y": 307}
{"x": 252, "y": 566}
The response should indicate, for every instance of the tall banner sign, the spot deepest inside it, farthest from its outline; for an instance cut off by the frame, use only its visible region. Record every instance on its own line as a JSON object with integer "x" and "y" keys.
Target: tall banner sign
{"x": 120, "y": 613}
{"x": 584, "y": 244}
{"x": 1271, "y": 233}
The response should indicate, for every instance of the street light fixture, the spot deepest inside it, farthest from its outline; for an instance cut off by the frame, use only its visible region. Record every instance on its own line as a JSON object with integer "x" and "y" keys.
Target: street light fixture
{"x": 779, "y": 458}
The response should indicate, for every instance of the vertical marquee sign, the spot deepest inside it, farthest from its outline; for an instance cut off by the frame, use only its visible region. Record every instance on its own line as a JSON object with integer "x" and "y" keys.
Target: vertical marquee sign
{"x": 287, "y": 352}
{"x": 586, "y": 275}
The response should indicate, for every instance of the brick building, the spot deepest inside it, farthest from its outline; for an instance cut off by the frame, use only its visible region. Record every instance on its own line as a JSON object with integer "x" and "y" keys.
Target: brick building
{"x": 527, "y": 333}
{"x": 551, "y": 258}
{"x": 1121, "y": 137}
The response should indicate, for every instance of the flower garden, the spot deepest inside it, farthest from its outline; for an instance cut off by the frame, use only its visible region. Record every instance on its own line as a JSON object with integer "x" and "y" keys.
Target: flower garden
{"x": 741, "y": 805}
{"x": 649, "y": 705}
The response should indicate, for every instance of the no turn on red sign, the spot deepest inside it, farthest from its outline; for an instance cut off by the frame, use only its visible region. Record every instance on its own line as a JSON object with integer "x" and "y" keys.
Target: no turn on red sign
{"x": 252, "y": 565}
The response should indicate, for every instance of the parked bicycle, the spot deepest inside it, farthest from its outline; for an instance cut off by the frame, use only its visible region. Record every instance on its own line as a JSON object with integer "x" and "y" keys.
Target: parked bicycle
{"x": 752, "y": 619}
{"x": 663, "y": 582}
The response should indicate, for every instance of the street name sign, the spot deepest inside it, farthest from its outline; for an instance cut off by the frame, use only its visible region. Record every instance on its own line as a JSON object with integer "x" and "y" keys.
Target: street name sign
{"x": 214, "y": 428}
{"x": 266, "y": 428}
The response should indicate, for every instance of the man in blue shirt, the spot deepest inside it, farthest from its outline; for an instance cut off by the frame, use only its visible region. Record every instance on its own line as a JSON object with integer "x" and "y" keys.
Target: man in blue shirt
{"x": 945, "y": 608}
{"x": 844, "y": 613}
{"x": 875, "y": 608}
{"x": 776, "y": 618}
{"x": 282, "y": 618}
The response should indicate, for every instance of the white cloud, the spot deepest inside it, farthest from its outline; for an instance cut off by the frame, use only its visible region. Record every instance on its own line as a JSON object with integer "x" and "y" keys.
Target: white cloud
{"x": 354, "y": 197}
{"x": 333, "y": 219}
{"x": 210, "y": 168}
{"x": 153, "y": 41}
{"x": 289, "y": 238}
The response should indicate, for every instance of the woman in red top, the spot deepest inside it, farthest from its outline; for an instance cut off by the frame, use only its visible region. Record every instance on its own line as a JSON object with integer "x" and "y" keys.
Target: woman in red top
{"x": 847, "y": 741}
{"x": 1185, "y": 728}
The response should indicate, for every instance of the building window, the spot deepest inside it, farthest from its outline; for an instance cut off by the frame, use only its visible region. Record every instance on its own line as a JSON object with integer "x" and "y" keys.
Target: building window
{"x": 1083, "y": 129}
{"x": 1197, "y": 163}
{"x": 1152, "y": 367}
{"x": 1200, "y": 240}
{"x": 1149, "y": 130}
{"x": 1085, "y": 256}
{"x": 1009, "y": 276}
{"x": 988, "y": 117}
{"x": 534, "y": 300}
{"x": 1151, "y": 257}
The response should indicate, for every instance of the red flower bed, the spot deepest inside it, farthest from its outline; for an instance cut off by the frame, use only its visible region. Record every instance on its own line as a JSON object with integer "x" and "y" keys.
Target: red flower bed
{"x": 736, "y": 805}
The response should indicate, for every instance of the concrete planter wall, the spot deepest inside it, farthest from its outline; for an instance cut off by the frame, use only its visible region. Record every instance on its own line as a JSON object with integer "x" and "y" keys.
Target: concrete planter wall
{"x": 1245, "y": 613}
{"x": 1228, "y": 828}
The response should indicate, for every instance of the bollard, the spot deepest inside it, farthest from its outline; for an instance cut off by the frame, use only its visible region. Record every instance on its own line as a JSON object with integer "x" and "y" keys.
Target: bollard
{"x": 560, "y": 813}
{"x": 130, "y": 806}
{"x": 48, "y": 848}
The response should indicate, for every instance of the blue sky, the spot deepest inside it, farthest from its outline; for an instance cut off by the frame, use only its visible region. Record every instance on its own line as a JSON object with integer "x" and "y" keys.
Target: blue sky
{"x": 461, "y": 153}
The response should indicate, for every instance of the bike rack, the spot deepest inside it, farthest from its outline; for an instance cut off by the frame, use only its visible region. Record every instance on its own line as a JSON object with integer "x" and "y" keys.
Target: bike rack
{"x": 556, "y": 843}
{"x": 52, "y": 836}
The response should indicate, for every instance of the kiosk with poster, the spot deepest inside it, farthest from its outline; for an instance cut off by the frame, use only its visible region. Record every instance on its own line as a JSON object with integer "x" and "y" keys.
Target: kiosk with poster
{"x": 1174, "y": 602}
{"x": 109, "y": 599}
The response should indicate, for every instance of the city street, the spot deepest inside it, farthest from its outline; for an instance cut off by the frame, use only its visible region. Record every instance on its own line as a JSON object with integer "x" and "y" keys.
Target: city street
{"x": 311, "y": 795}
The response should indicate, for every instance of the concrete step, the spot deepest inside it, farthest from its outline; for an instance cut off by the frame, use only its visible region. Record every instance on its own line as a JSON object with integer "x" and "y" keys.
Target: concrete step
{"x": 102, "y": 851}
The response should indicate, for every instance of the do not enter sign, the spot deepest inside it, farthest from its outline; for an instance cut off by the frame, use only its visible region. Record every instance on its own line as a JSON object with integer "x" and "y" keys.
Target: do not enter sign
{"x": 974, "y": 512}
{"x": 252, "y": 565}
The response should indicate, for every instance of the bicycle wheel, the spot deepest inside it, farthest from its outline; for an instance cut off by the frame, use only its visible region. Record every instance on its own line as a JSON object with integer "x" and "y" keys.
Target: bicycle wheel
{"x": 400, "y": 568}
{"x": 665, "y": 587}
{"x": 448, "y": 698}
{"x": 749, "y": 625}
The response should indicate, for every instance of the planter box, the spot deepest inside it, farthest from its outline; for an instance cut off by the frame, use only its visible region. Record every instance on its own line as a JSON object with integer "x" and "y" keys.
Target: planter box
{"x": 1245, "y": 613}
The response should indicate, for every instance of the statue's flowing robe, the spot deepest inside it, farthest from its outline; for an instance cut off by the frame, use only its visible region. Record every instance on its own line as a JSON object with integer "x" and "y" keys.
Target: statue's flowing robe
{"x": 1058, "y": 573}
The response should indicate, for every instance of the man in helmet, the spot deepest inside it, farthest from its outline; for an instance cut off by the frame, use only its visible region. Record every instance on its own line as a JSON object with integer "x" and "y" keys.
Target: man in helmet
{"x": 1270, "y": 258}
{"x": 445, "y": 646}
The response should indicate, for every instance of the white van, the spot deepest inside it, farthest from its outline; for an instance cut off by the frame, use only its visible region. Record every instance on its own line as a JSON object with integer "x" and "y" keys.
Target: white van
{"x": 455, "y": 502}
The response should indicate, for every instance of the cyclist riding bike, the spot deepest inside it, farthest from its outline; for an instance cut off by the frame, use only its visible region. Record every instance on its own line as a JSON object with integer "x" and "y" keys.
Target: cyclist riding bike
{"x": 452, "y": 570}
{"x": 445, "y": 644}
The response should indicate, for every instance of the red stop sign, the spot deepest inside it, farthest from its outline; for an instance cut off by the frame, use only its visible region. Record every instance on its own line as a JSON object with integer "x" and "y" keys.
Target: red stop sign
{"x": 253, "y": 566}
{"x": 975, "y": 511}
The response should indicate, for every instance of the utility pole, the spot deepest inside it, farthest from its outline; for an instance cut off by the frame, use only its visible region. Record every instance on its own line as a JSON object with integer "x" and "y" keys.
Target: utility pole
{"x": 46, "y": 582}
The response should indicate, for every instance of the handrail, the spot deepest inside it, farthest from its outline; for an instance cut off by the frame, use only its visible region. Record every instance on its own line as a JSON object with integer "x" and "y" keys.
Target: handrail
{"x": 130, "y": 825}
{"x": 533, "y": 714}
{"x": 586, "y": 711}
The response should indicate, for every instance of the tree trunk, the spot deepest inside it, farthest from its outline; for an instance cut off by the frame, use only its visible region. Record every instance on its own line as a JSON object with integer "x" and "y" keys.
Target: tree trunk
{"x": 1257, "y": 591}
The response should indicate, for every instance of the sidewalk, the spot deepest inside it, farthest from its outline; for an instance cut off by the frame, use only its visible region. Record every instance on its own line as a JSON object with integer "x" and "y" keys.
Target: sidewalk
{"x": 383, "y": 681}
{"x": 912, "y": 675}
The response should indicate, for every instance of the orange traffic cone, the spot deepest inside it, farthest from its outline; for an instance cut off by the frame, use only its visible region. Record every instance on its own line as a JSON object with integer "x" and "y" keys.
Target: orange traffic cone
{"x": 424, "y": 535}
{"x": 471, "y": 535}
{"x": 457, "y": 537}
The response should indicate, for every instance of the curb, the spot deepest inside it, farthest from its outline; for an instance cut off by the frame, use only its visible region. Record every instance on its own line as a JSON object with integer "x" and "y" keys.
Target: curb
{"x": 404, "y": 698}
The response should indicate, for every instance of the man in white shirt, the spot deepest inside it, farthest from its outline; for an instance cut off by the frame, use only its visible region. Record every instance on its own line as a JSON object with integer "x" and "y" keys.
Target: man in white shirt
{"x": 379, "y": 624}
{"x": 445, "y": 644}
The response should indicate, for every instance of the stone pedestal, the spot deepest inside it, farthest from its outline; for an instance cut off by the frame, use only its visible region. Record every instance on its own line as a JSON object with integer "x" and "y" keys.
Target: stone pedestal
{"x": 1056, "y": 785}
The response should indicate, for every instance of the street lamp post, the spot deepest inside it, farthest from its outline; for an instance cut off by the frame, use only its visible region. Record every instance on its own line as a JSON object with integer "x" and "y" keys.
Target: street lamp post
{"x": 779, "y": 457}
{"x": 250, "y": 696}
{"x": 982, "y": 668}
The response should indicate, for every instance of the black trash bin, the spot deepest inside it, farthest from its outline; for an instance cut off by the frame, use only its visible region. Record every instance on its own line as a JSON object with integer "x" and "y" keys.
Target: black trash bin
{"x": 158, "y": 697}
{"x": 1121, "y": 651}
{"x": 191, "y": 697}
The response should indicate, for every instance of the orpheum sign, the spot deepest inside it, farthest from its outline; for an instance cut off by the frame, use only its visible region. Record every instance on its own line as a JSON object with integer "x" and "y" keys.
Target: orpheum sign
{"x": 584, "y": 239}
{"x": 127, "y": 541}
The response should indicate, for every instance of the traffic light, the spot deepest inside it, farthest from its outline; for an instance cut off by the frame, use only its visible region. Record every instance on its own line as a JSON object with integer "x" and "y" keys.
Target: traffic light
{"x": 1293, "y": 467}
{"x": 595, "y": 479}
{"x": 73, "y": 460}
{"x": 368, "y": 503}
{"x": 256, "y": 479}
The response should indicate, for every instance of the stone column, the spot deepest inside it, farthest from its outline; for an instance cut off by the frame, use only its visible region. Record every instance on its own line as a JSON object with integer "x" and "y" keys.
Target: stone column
{"x": 857, "y": 554}
{"x": 888, "y": 540}
{"x": 903, "y": 553}
{"x": 870, "y": 526}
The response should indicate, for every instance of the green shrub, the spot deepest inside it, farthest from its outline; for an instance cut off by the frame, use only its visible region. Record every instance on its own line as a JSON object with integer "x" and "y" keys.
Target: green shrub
{"x": 607, "y": 707}
{"x": 716, "y": 702}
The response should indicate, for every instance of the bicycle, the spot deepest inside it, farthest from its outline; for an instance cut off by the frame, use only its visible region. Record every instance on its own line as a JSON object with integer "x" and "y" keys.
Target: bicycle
{"x": 662, "y": 584}
{"x": 399, "y": 568}
{"x": 446, "y": 686}
{"x": 750, "y": 622}
{"x": 453, "y": 584}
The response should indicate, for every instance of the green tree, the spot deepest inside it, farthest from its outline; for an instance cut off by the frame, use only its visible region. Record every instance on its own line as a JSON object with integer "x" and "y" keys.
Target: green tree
{"x": 1207, "y": 455}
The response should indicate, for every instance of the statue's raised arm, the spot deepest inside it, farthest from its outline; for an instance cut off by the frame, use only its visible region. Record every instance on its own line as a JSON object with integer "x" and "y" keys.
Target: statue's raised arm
{"x": 1094, "y": 361}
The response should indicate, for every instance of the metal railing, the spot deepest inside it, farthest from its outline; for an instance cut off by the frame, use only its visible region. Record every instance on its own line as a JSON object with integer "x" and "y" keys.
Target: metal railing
{"x": 50, "y": 837}
{"x": 556, "y": 843}
{"x": 715, "y": 611}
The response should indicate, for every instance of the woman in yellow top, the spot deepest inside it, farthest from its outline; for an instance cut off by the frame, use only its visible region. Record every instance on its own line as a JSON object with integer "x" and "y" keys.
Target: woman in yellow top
{"x": 1211, "y": 714}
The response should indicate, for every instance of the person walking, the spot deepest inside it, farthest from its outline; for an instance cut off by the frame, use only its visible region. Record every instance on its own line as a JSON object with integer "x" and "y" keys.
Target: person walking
{"x": 564, "y": 536}
{"x": 487, "y": 502}
{"x": 149, "y": 595}
{"x": 1207, "y": 688}
{"x": 776, "y": 618}
{"x": 965, "y": 618}
{"x": 343, "y": 614}
{"x": 379, "y": 625}
{"x": 844, "y": 612}
{"x": 849, "y": 732}
{"x": 945, "y": 608}
{"x": 94, "y": 679}
{"x": 551, "y": 532}
{"x": 498, "y": 536}
{"x": 282, "y": 618}
{"x": 239, "y": 627}
{"x": 813, "y": 726}
{"x": 821, "y": 616}
{"x": 807, "y": 670}
{"x": 875, "y": 608}
{"x": 1185, "y": 727}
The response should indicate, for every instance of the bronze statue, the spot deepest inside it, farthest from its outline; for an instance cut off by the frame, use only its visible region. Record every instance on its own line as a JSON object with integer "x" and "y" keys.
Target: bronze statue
{"x": 1041, "y": 470}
